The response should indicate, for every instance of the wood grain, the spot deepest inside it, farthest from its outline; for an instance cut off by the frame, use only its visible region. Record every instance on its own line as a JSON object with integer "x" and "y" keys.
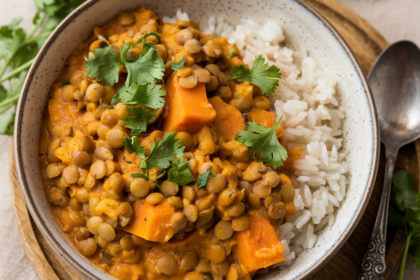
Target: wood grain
{"x": 367, "y": 44}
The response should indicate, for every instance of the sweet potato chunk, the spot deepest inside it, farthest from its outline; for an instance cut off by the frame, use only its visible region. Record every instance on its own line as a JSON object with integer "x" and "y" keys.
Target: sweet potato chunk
{"x": 228, "y": 119}
{"x": 258, "y": 246}
{"x": 152, "y": 222}
{"x": 292, "y": 155}
{"x": 262, "y": 117}
{"x": 189, "y": 109}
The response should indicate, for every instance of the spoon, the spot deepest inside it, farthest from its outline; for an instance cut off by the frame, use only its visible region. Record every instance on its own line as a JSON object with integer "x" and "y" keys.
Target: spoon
{"x": 395, "y": 84}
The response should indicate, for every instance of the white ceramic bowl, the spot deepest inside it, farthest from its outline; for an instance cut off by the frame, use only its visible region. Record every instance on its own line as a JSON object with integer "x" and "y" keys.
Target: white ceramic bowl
{"x": 303, "y": 27}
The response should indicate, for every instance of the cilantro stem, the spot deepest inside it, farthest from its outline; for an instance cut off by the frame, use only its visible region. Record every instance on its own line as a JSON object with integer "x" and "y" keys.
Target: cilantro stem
{"x": 36, "y": 26}
{"x": 27, "y": 41}
{"x": 404, "y": 257}
{"x": 6, "y": 64}
{"x": 16, "y": 71}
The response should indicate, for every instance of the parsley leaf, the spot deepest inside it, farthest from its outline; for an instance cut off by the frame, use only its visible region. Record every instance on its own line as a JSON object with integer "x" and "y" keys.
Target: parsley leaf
{"x": 263, "y": 143}
{"x": 179, "y": 65}
{"x": 149, "y": 95}
{"x": 144, "y": 69}
{"x": 264, "y": 77}
{"x": 162, "y": 153}
{"x": 105, "y": 66}
{"x": 204, "y": 178}
{"x": 138, "y": 122}
{"x": 180, "y": 172}
{"x": 132, "y": 145}
{"x": 404, "y": 196}
{"x": 234, "y": 51}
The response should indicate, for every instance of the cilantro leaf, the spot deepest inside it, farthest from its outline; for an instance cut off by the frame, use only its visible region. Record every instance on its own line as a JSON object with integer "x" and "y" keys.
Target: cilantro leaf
{"x": 204, "y": 178}
{"x": 264, "y": 77}
{"x": 139, "y": 175}
{"x": 105, "y": 66}
{"x": 147, "y": 178}
{"x": 132, "y": 145}
{"x": 11, "y": 38}
{"x": 234, "y": 51}
{"x": 415, "y": 252}
{"x": 403, "y": 190}
{"x": 3, "y": 93}
{"x": 162, "y": 153}
{"x": 65, "y": 82}
{"x": 7, "y": 124}
{"x": 144, "y": 69}
{"x": 138, "y": 122}
{"x": 179, "y": 65}
{"x": 180, "y": 172}
{"x": 263, "y": 143}
{"x": 149, "y": 95}
{"x": 395, "y": 218}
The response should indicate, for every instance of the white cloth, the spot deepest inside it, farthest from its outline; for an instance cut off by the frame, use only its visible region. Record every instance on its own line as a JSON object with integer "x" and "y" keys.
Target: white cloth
{"x": 396, "y": 20}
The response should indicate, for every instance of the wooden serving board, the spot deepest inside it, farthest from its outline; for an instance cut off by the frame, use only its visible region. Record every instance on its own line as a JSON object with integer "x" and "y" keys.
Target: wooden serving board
{"x": 367, "y": 44}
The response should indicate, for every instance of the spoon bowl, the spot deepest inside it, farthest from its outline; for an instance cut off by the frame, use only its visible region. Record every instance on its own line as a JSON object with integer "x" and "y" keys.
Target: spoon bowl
{"x": 397, "y": 73}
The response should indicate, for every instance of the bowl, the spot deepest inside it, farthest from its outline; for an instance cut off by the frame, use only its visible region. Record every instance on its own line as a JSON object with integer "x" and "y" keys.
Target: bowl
{"x": 302, "y": 25}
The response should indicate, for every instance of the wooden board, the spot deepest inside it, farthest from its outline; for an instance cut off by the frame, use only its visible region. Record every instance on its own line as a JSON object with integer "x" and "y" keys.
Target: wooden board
{"x": 367, "y": 44}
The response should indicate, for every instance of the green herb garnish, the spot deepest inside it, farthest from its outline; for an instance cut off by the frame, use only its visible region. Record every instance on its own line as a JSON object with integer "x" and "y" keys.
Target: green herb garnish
{"x": 145, "y": 68}
{"x": 204, "y": 178}
{"x": 234, "y": 51}
{"x": 65, "y": 82}
{"x": 180, "y": 172}
{"x": 132, "y": 145}
{"x": 264, "y": 77}
{"x": 162, "y": 153}
{"x": 263, "y": 143}
{"x": 150, "y": 95}
{"x": 179, "y": 65}
{"x": 404, "y": 211}
{"x": 105, "y": 66}
{"x": 138, "y": 122}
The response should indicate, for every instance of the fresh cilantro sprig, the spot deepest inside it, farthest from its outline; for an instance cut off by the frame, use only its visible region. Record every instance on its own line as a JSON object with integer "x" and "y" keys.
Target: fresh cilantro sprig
{"x": 180, "y": 172}
{"x": 105, "y": 66}
{"x": 265, "y": 77}
{"x": 179, "y": 65}
{"x": 162, "y": 153}
{"x": 263, "y": 143}
{"x": 144, "y": 69}
{"x": 132, "y": 145}
{"x": 18, "y": 50}
{"x": 204, "y": 178}
{"x": 138, "y": 122}
{"x": 147, "y": 178}
{"x": 234, "y": 51}
{"x": 150, "y": 95}
{"x": 404, "y": 211}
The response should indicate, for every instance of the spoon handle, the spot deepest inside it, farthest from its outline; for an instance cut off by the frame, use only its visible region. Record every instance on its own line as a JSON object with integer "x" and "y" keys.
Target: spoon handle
{"x": 374, "y": 265}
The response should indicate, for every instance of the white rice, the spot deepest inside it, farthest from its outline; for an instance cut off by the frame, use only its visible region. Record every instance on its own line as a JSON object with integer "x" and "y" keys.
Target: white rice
{"x": 312, "y": 119}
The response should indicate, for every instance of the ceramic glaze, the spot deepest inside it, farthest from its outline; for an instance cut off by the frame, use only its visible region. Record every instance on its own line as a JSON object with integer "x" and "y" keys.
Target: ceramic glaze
{"x": 303, "y": 28}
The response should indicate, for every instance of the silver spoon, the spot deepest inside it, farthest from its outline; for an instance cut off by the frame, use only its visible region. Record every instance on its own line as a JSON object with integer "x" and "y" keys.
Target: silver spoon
{"x": 395, "y": 83}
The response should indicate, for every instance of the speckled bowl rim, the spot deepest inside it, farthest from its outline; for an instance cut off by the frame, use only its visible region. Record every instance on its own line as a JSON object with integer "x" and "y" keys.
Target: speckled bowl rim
{"x": 82, "y": 271}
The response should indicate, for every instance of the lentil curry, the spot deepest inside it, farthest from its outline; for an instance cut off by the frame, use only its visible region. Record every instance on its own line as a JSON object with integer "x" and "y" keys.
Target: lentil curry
{"x": 149, "y": 172}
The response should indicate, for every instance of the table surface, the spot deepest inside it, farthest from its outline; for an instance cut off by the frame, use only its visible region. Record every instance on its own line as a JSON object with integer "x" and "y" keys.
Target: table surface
{"x": 395, "y": 20}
